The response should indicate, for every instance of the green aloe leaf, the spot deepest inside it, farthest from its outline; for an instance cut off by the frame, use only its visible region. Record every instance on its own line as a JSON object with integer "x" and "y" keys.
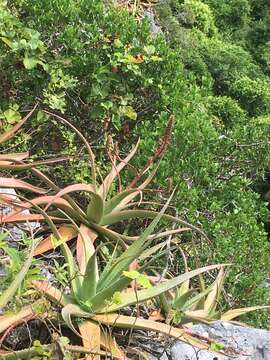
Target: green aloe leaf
{"x": 73, "y": 310}
{"x": 95, "y": 209}
{"x": 193, "y": 301}
{"x": 103, "y": 298}
{"x": 73, "y": 271}
{"x": 143, "y": 295}
{"x": 111, "y": 204}
{"x": 90, "y": 279}
{"x": 118, "y": 216}
{"x": 232, "y": 314}
{"x": 133, "y": 251}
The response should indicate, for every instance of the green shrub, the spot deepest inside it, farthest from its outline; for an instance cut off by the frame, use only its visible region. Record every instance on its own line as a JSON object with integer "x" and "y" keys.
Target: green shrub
{"x": 194, "y": 13}
{"x": 253, "y": 95}
{"x": 230, "y": 15}
{"x": 226, "y": 109}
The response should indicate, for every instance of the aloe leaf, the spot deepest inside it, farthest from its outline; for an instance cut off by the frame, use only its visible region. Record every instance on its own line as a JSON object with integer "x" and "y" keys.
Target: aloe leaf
{"x": 118, "y": 216}
{"x": 85, "y": 246}
{"x": 212, "y": 299}
{"x": 143, "y": 295}
{"x": 66, "y": 233}
{"x": 8, "y": 164}
{"x": 232, "y": 314}
{"x": 95, "y": 209}
{"x": 101, "y": 301}
{"x": 88, "y": 147}
{"x": 73, "y": 310}
{"x": 139, "y": 189}
{"x": 133, "y": 251}
{"x": 193, "y": 302}
{"x": 180, "y": 301}
{"x": 91, "y": 338}
{"x": 73, "y": 271}
{"x": 9, "y": 134}
{"x": 14, "y": 156}
{"x": 7, "y": 295}
{"x": 105, "y": 186}
{"x": 75, "y": 188}
{"x": 111, "y": 204}
{"x": 19, "y": 184}
{"x": 130, "y": 322}
{"x": 52, "y": 292}
{"x": 53, "y": 186}
{"x": 90, "y": 279}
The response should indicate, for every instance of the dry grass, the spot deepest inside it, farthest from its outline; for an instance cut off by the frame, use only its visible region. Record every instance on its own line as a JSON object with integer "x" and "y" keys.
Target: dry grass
{"x": 135, "y": 7}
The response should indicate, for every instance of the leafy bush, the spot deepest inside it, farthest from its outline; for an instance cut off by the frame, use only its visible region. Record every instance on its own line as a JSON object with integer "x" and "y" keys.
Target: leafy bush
{"x": 226, "y": 110}
{"x": 194, "y": 13}
{"x": 253, "y": 95}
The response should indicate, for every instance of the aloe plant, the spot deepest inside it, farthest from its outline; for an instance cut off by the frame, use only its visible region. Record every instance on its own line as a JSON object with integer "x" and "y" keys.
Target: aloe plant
{"x": 186, "y": 304}
{"x": 95, "y": 294}
{"x": 102, "y": 211}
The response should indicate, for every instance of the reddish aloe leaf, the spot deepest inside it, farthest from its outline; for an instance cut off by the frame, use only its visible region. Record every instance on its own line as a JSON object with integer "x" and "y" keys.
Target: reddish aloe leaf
{"x": 19, "y": 167}
{"x": 67, "y": 233}
{"x": 122, "y": 321}
{"x": 21, "y": 218}
{"x": 52, "y": 292}
{"x": 85, "y": 247}
{"x": 19, "y": 184}
{"x": 13, "y": 156}
{"x": 73, "y": 188}
{"x": 90, "y": 332}
{"x": 109, "y": 344}
{"x": 8, "y": 320}
{"x": 9, "y": 134}
{"x": 24, "y": 218}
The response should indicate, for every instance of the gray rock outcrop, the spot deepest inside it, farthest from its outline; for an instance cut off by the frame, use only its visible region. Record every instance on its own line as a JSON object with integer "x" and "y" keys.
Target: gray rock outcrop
{"x": 252, "y": 344}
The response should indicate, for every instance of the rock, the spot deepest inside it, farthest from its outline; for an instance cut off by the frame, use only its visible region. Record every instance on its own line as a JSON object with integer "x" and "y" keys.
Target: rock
{"x": 154, "y": 28}
{"x": 251, "y": 343}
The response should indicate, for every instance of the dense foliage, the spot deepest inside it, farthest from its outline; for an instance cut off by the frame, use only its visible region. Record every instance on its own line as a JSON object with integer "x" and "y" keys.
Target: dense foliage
{"x": 111, "y": 76}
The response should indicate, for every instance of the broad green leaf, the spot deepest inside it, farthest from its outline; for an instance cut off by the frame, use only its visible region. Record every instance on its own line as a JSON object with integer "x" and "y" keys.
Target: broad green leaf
{"x": 12, "y": 116}
{"x": 128, "y": 111}
{"x": 141, "y": 279}
{"x": 8, "y": 42}
{"x": 29, "y": 62}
